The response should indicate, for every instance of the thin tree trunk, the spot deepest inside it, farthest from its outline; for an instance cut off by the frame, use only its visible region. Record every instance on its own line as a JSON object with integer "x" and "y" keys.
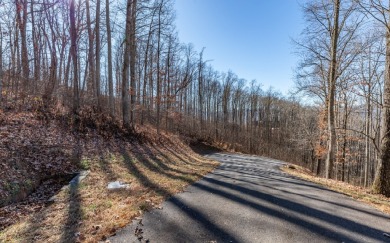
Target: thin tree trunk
{"x": 97, "y": 52}
{"x": 367, "y": 147}
{"x": 91, "y": 77}
{"x": 73, "y": 37}
{"x": 21, "y": 6}
{"x": 125, "y": 70}
{"x": 35, "y": 46}
{"x": 158, "y": 70}
{"x": 133, "y": 56}
{"x": 109, "y": 53}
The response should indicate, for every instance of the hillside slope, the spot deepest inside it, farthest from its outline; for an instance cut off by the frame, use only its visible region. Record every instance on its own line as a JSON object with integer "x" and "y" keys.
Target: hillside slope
{"x": 38, "y": 156}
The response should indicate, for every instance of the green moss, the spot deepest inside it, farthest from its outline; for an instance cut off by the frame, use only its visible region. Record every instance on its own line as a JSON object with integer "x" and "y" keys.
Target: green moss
{"x": 85, "y": 164}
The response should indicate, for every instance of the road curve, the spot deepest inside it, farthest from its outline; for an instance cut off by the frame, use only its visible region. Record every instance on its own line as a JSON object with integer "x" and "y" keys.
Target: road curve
{"x": 248, "y": 199}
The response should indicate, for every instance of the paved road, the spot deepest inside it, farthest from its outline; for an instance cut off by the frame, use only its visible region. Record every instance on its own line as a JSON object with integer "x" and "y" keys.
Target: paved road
{"x": 248, "y": 199}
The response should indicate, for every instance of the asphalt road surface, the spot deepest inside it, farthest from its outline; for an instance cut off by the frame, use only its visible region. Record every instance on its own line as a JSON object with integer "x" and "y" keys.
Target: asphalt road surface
{"x": 248, "y": 199}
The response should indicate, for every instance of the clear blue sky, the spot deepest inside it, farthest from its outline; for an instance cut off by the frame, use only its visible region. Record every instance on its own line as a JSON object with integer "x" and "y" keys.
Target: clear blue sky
{"x": 250, "y": 37}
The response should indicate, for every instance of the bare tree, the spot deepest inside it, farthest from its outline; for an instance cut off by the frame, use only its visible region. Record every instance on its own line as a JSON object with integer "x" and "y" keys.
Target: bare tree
{"x": 109, "y": 60}
{"x": 97, "y": 52}
{"x": 380, "y": 11}
{"x": 73, "y": 37}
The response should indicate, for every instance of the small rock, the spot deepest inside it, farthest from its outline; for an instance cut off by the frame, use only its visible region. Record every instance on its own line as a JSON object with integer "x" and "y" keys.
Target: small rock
{"x": 52, "y": 199}
{"x": 117, "y": 185}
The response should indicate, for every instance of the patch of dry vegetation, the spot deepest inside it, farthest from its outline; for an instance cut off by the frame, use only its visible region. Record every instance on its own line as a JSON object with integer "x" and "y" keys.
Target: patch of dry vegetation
{"x": 155, "y": 167}
{"x": 359, "y": 193}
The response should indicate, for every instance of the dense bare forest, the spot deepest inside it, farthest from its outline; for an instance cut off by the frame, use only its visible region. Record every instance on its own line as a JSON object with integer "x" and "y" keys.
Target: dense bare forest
{"x": 123, "y": 60}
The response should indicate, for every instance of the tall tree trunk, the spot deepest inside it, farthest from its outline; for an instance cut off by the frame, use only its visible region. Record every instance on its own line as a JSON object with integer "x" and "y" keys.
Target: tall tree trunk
{"x": 73, "y": 49}
{"x": 368, "y": 126}
{"x": 146, "y": 70}
{"x": 91, "y": 76}
{"x": 200, "y": 91}
{"x": 382, "y": 176}
{"x": 109, "y": 53}
{"x": 168, "y": 81}
{"x": 332, "y": 92}
{"x": 97, "y": 52}
{"x": 344, "y": 137}
{"x": 1, "y": 66}
{"x": 21, "y": 7}
{"x": 158, "y": 69}
{"x": 133, "y": 56}
{"x": 35, "y": 46}
{"x": 126, "y": 65}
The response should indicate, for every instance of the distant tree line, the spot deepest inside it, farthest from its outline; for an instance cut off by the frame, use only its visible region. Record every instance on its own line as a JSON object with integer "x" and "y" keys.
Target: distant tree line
{"x": 124, "y": 59}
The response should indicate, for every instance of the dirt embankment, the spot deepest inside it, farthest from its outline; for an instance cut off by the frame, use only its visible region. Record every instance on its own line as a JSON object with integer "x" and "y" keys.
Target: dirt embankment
{"x": 39, "y": 155}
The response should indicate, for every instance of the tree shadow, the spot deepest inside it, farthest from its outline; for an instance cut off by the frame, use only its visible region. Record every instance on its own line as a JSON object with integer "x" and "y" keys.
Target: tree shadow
{"x": 304, "y": 210}
{"x": 319, "y": 216}
{"x": 219, "y": 234}
{"x": 302, "y": 195}
{"x": 174, "y": 153}
{"x": 144, "y": 180}
{"x": 34, "y": 225}
{"x": 169, "y": 159}
{"x": 259, "y": 173}
{"x": 159, "y": 167}
{"x": 74, "y": 216}
{"x": 192, "y": 213}
{"x": 204, "y": 149}
{"x": 104, "y": 164}
{"x": 287, "y": 209}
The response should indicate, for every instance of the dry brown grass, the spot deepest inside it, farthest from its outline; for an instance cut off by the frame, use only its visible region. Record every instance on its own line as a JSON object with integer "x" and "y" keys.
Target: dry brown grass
{"x": 90, "y": 213}
{"x": 361, "y": 194}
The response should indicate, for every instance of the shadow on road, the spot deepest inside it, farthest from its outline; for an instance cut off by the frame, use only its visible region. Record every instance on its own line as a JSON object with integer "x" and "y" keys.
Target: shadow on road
{"x": 204, "y": 149}
{"x": 256, "y": 185}
{"x": 192, "y": 213}
{"x": 310, "y": 218}
{"x": 304, "y": 183}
